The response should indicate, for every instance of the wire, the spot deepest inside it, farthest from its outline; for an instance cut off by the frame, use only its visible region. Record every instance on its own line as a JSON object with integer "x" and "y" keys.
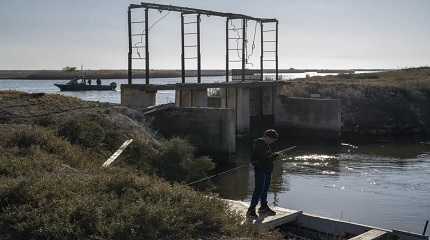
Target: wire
{"x": 218, "y": 174}
{"x": 241, "y": 166}
{"x": 158, "y": 20}
{"x": 149, "y": 28}
{"x": 237, "y": 39}
{"x": 253, "y": 43}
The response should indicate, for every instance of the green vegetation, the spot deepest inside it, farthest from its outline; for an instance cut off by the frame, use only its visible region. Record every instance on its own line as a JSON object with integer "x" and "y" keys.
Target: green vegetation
{"x": 52, "y": 185}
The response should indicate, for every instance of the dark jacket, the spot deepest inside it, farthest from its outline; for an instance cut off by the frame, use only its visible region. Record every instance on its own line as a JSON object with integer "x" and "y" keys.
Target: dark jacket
{"x": 262, "y": 156}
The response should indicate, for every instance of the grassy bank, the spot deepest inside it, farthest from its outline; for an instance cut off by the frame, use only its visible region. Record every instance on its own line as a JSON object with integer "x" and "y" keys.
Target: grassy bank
{"x": 390, "y": 103}
{"x": 52, "y": 185}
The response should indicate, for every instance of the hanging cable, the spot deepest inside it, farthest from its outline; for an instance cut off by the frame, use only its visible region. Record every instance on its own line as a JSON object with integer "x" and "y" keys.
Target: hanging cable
{"x": 237, "y": 39}
{"x": 253, "y": 43}
{"x": 149, "y": 28}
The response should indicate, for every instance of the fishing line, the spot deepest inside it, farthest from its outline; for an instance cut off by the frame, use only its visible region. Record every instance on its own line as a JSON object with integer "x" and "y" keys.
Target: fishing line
{"x": 233, "y": 169}
{"x": 218, "y": 174}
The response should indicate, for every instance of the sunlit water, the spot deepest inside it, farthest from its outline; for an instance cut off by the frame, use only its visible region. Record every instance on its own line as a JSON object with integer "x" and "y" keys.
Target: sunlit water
{"x": 386, "y": 185}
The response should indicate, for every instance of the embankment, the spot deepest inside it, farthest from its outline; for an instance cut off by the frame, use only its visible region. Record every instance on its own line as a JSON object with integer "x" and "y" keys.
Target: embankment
{"x": 388, "y": 104}
{"x": 52, "y": 185}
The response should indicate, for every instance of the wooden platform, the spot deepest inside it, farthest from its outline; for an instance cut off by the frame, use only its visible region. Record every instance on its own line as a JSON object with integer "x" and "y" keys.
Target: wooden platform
{"x": 265, "y": 222}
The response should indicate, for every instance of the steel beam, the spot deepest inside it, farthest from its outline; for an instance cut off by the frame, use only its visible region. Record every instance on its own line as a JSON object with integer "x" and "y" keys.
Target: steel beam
{"x": 183, "y": 49}
{"x": 262, "y": 51}
{"x": 199, "y": 63}
{"x": 227, "y": 58}
{"x": 187, "y": 10}
{"x": 277, "y": 59}
{"x": 146, "y": 47}
{"x": 243, "y": 48}
{"x": 130, "y": 49}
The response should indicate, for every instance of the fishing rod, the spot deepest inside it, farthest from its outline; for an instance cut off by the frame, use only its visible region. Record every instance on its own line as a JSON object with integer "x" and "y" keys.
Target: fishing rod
{"x": 283, "y": 151}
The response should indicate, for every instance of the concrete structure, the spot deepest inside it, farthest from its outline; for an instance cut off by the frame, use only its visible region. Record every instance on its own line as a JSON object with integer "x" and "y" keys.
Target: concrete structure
{"x": 255, "y": 104}
{"x": 244, "y": 97}
{"x": 212, "y": 130}
{"x": 191, "y": 98}
{"x": 317, "y": 227}
{"x": 136, "y": 97}
{"x": 265, "y": 223}
{"x": 308, "y": 116}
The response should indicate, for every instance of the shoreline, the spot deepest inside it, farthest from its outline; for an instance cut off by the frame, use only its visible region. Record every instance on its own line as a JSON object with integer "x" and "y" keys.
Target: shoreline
{"x": 157, "y": 73}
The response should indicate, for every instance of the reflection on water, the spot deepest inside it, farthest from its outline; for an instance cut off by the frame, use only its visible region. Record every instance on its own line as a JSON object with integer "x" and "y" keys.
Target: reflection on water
{"x": 385, "y": 185}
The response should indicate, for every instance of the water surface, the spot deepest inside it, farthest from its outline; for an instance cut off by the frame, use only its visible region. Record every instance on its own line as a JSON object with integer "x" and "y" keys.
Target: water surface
{"x": 382, "y": 184}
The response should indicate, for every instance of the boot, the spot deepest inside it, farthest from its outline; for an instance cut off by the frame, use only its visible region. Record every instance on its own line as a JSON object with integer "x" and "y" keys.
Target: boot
{"x": 251, "y": 213}
{"x": 264, "y": 209}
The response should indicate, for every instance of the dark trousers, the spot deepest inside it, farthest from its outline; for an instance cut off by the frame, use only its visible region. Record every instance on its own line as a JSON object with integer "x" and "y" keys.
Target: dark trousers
{"x": 262, "y": 184}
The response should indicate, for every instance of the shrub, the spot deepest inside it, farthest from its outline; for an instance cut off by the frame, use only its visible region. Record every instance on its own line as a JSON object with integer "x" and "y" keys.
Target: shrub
{"x": 178, "y": 162}
{"x": 82, "y": 131}
{"x": 110, "y": 205}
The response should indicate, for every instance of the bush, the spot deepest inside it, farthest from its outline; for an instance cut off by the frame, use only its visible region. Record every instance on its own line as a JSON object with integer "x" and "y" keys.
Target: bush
{"x": 84, "y": 132}
{"x": 178, "y": 162}
{"x": 110, "y": 205}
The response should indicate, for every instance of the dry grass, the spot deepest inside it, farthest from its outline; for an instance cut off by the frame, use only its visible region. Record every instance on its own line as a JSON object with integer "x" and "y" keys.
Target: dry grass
{"x": 52, "y": 186}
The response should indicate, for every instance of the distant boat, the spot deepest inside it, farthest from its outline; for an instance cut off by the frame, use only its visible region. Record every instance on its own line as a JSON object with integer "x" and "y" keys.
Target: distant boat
{"x": 80, "y": 84}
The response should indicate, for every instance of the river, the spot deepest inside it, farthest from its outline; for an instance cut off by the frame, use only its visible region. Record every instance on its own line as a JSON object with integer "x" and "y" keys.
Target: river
{"x": 385, "y": 184}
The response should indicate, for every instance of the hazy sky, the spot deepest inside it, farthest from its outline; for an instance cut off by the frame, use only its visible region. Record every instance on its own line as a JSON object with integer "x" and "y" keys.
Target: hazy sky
{"x": 51, "y": 34}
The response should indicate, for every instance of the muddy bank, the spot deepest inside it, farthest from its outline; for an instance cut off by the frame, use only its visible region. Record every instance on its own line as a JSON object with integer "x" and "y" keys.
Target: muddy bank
{"x": 389, "y": 104}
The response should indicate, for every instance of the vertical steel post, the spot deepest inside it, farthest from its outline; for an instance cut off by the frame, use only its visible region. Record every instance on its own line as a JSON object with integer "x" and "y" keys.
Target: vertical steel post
{"x": 183, "y": 48}
{"x": 199, "y": 63}
{"x": 262, "y": 51}
{"x": 130, "y": 49}
{"x": 227, "y": 58}
{"x": 277, "y": 65}
{"x": 146, "y": 47}
{"x": 243, "y": 48}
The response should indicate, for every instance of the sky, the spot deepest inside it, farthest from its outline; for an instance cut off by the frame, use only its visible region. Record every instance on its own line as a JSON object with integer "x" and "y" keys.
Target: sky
{"x": 52, "y": 34}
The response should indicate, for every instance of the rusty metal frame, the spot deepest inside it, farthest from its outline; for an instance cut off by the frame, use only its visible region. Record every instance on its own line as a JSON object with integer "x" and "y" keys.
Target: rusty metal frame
{"x": 198, "y": 12}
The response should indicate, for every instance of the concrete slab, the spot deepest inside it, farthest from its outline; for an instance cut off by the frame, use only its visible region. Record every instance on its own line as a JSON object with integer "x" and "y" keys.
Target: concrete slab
{"x": 372, "y": 234}
{"x": 264, "y": 223}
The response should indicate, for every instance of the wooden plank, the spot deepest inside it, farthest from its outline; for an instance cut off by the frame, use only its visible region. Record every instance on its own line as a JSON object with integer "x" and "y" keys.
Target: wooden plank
{"x": 117, "y": 153}
{"x": 370, "y": 235}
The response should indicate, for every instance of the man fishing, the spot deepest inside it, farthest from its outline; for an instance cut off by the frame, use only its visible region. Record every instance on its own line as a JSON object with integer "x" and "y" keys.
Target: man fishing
{"x": 262, "y": 159}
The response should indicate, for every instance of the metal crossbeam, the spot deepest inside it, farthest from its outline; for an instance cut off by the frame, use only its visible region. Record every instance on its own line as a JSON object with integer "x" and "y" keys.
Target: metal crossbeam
{"x": 187, "y": 10}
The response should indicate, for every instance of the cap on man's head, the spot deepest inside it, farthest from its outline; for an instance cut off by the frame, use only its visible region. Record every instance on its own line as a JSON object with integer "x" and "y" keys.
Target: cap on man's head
{"x": 271, "y": 133}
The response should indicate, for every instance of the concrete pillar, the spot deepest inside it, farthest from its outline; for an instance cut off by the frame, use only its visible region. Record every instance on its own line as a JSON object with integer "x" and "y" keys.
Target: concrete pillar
{"x": 239, "y": 100}
{"x": 191, "y": 97}
{"x": 268, "y": 101}
{"x": 243, "y": 110}
{"x": 137, "y": 98}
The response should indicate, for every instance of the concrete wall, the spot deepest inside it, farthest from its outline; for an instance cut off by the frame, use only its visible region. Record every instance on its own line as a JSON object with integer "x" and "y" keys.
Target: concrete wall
{"x": 212, "y": 130}
{"x": 308, "y": 116}
{"x": 191, "y": 98}
{"x": 137, "y": 98}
